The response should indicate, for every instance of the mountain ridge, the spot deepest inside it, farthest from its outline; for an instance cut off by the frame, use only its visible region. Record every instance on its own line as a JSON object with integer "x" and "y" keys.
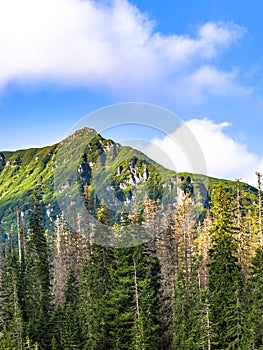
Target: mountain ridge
{"x": 121, "y": 170}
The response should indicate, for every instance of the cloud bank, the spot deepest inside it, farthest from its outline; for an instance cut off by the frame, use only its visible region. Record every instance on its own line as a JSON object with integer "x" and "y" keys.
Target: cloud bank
{"x": 111, "y": 44}
{"x": 225, "y": 157}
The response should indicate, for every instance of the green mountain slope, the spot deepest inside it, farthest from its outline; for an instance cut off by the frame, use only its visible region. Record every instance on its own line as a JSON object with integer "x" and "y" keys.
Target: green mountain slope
{"x": 109, "y": 167}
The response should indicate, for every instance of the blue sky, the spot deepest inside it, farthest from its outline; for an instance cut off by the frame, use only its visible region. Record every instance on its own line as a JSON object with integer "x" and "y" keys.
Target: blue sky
{"x": 203, "y": 60}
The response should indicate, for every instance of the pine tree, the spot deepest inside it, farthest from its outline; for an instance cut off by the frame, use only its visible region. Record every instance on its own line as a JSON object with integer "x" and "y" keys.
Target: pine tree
{"x": 38, "y": 285}
{"x": 225, "y": 279}
{"x": 146, "y": 274}
{"x": 11, "y": 322}
{"x": 142, "y": 276}
{"x": 118, "y": 300}
{"x": 95, "y": 281}
{"x": 189, "y": 329}
{"x": 94, "y": 284}
{"x": 57, "y": 327}
{"x": 255, "y": 303}
{"x": 21, "y": 287}
{"x": 70, "y": 335}
{"x": 132, "y": 300}
{"x": 246, "y": 234}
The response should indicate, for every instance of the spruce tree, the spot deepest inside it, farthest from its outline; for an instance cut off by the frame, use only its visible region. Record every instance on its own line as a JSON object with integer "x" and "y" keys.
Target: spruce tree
{"x": 255, "y": 303}
{"x": 225, "y": 279}
{"x": 71, "y": 330}
{"x": 132, "y": 300}
{"x": 190, "y": 313}
{"x": 38, "y": 285}
{"x": 11, "y": 322}
{"x": 95, "y": 281}
{"x": 146, "y": 274}
{"x": 118, "y": 300}
{"x": 93, "y": 286}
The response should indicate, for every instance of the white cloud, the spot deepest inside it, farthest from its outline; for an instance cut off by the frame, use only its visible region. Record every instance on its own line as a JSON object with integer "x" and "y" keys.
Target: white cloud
{"x": 212, "y": 38}
{"x": 110, "y": 44}
{"x": 224, "y": 157}
{"x": 208, "y": 79}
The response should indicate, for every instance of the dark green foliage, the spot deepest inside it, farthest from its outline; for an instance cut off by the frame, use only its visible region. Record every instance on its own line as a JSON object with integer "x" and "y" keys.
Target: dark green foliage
{"x": 92, "y": 312}
{"x": 147, "y": 325}
{"x": 37, "y": 280}
{"x": 186, "y": 185}
{"x": 255, "y": 303}
{"x": 11, "y": 323}
{"x": 132, "y": 300}
{"x": 225, "y": 279}
{"x": 70, "y": 328}
{"x": 57, "y": 327}
{"x": 183, "y": 319}
{"x": 190, "y": 308}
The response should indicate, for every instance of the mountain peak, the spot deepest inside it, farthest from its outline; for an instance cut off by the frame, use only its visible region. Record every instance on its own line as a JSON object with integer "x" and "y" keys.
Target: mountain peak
{"x": 83, "y": 132}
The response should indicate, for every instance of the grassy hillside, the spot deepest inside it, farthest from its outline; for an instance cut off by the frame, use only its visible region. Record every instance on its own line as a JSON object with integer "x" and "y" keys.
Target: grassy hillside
{"x": 103, "y": 163}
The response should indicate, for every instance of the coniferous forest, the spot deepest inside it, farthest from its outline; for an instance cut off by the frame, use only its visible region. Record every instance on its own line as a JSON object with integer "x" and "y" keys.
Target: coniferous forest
{"x": 196, "y": 285}
{"x": 131, "y": 175}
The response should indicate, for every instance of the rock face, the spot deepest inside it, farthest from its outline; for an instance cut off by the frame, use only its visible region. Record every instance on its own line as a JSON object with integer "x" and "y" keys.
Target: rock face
{"x": 2, "y": 161}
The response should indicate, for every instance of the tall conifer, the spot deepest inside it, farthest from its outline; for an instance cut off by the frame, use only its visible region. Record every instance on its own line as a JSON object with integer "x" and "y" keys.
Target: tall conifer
{"x": 225, "y": 279}
{"x": 38, "y": 285}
